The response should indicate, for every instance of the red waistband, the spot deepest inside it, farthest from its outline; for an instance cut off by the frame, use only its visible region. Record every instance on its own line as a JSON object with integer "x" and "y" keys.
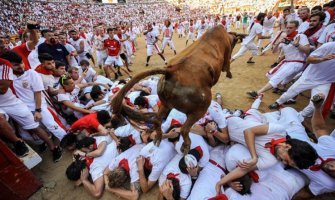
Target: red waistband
{"x": 218, "y": 165}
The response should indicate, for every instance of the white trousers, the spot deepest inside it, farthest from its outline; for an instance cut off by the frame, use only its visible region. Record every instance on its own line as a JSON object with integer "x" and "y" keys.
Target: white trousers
{"x": 168, "y": 41}
{"x": 244, "y": 48}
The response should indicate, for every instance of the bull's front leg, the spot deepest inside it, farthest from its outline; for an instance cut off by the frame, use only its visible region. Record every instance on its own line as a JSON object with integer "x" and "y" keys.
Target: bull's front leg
{"x": 185, "y": 129}
{"x": 162, "y": 112}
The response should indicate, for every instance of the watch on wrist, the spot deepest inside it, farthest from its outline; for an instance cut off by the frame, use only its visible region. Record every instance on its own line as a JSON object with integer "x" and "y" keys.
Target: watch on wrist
{"x": 38, "y": 110}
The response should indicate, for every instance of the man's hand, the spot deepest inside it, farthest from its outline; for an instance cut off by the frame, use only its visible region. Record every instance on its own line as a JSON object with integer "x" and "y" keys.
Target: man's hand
{"x": 167, "y": 190}
{"x": 192, "y": 171}
{"x": 328, "y": 57}
{"x": 211, "y": 127}
{"x": 37, "y": 116}
{"x": 296, "y": 41}
{"x": 140, "y": 162}
{"x": 218, "y": 188}
{"x": 248, "y": 164}
{"x": 237, "y": 186}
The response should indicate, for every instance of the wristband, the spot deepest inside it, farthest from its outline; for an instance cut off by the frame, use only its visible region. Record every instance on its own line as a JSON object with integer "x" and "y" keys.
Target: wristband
{"x": 38, "y": 110}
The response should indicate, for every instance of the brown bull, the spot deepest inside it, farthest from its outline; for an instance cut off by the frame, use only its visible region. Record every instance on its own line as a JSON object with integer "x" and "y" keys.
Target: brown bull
{"x": 187, "y": 82}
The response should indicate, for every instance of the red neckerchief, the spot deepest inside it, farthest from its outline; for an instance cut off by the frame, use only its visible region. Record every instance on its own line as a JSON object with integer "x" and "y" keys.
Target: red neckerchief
{"x": 292, "y": 35}
{"x": 175, "y": 122}
{"x": 89, "y": 160}
{"x": 199, "y": 150}
{"x": 172, "y": 176}
{"x": 310, "y": 32}
{"x": 271, "y": 145}
{"x": 120, "y": 36}
{"x": 257, "y": 21}
{"x": 131, "y": 139}
{"x": 146, "y": 100}
{"x": 41, "y": 69}
{"x": 254, "y": 176}
{"x": 219, "y": 197}
{"x": 124, "y": 164}
{"x": 128, "y": 102}
{"x": 331, "y": 13}
{"x": 318, "y": 167}
{"x": 306, "y": 20}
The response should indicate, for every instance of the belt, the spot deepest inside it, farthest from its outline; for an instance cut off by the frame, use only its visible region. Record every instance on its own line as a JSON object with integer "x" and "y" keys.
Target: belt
{"x": 218, "y": 165}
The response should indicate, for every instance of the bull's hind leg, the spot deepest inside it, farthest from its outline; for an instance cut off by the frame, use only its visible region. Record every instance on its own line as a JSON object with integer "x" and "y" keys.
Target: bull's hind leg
{"x": 185, "y": 129}
{"x": 162, "y": 112}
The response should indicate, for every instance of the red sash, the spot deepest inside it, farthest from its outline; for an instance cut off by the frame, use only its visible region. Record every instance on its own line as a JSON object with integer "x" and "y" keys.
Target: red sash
{"x": 274, "y": 70}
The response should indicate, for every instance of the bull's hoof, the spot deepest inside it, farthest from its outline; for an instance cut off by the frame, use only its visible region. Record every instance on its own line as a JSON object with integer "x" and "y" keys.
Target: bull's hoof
{"x": 229, "y": 75}
{"x": 185, "y": 148}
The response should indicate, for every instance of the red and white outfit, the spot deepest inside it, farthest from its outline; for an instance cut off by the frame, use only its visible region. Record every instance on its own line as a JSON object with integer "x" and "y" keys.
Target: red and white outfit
{"x": 127, "y": 160}
{"x": 236, "y": 127}
{"x": 11, "y": 105}
{"x": 214, "y": 113}
{"x": 248, "y": 42}
{"x": 328, "y": 34}
{"x": 158, "y": 157}
{"x": 151, "y": 45}
{"x": 113, "y": 47}
{"x": 72, "y": 97}
{"x": 25, "y": 87}
{"x": 76, "y": 45}
{"x": 99, "y": 44}
{"x": 202, "y": 28}
{"x": 268, "y": 25}
{"x": 173, "y": 170}
{"x": 198, "y": 143}
{"x": 204, "y": 187}
{"x": 320, "y": 182}
{"x": 317, "y": 77}
{"x": 293, "y": 63}
{"x": 24, "y": 51}
{"x": 173, "y": 115}
{"x": 152, "y": 83}
{"x": 129, "y": 131}
{"x": 191, "y": 30}
{"x": 167, "y": 37}
{"x": 98, "y": 165}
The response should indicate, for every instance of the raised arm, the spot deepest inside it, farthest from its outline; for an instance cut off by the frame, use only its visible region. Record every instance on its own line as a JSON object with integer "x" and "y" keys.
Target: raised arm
{"x": 318, "y": 123}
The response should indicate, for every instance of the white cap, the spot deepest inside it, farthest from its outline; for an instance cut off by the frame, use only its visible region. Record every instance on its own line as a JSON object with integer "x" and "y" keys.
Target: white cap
{"x": 190, "y": 160}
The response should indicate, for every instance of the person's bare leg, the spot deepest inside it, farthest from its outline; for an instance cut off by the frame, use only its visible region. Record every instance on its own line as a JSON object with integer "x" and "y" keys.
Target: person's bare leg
{"x": 266, "y": 87}
{"x": 43, "y": 136}
{"x": 7, "y": 131}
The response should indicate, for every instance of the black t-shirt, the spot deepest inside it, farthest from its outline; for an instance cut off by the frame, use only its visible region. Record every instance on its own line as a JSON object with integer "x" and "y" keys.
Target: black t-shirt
{"x": 57, "y": 51}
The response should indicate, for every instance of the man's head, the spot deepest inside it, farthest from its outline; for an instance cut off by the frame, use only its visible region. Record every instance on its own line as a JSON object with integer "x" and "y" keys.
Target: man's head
{"x": 173, "y": 182}
{"x": 73, "y": 171}
{"x": 167, "y": 23}
{"x": 329, "y": 168}
{"x": 84, "y": 64}
{"x": 292, "y": 26}
{"x": 316, "y": 9}
{"x": 62, "y": 38}
{"x": 296, "y": 153}
{"x": 73, "y": 34}
{"x": 286, "y": 11}
{"x": 96, "y": 93}
{"x": 110, "y": 32}
{"x": 47, "y": 61}
{"x": 60, "y": 69}
{"x": 304, "y": 13}
{"x": 67, "y": 83}
{"x": 86, "y": 144}
{"x": 141, "y": 102}
{"x": 2, "y": 47}
{"x": 74, "y": 73}
{"x": 260, "y": 17}
{"x": 189, "y": 161}
{"x": 149, "y": 26}
{"x": 50, "y": 37}
{"x": 15, "y": 60}
{"x": 316, "y": 19}
{"x": 118, "y": 178}
{"x": 269, "y": 15}
{"x": 104, "y": 118}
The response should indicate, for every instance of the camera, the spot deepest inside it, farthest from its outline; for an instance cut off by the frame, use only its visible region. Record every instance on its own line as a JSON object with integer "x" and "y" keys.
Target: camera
{"x": 33, "y": 26}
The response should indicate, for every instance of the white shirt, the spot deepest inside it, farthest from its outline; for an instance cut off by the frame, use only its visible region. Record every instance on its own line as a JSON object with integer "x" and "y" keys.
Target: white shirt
{"x": 159, "y": 157}
{"x": 7, "y": 99}
{"x": 129, "y": 131}
{"x": 202, "y": 28}
{"x": 328, "y": 34}
{"x": 70, "y": 49}
{"x": 255, "y": 30}
{"x": 76, "y": 45}
{"x": 303, "y": 27}
{"x": 293, "y": 53}
{"x": 133, "y": 95}
{"x": 269, "y": 23}
{"x": 176, "y": 115}
{"x": 130, "y": 155}
{"x": 100, "y": 163}
{"x": 167, "y": 31}
{"x": 151, "y": 37}
{"x": 323, "y": 72}
{"x": 90, "y": 74}
{"x": 196, "y": 140}
{"x": 215, "y": 113}
{"x": 25, "y": 87}
{"x": 70, "y": 96}
{"x": 185, "y": 181}
{"x": 151, "y": 83}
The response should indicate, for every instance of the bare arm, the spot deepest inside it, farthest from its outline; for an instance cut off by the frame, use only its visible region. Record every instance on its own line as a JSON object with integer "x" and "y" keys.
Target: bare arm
{"x": 260, "y": 36}
{"x": 304, "y": 193}
{"x": 75, "y": 108}
{"x": 316, "y": 60}
{"x": 249, "y": 136}
{"x": 96, "y": 188}
{"x": 318, "y": 123}
{"x": 38, "y": 99}
{"x": 33, "y": 39}
{"x": 99, "y": 151}
{"x": 82, "y": 47}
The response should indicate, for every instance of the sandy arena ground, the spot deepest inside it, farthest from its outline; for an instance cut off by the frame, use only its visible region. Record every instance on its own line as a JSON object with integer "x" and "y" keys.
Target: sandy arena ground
{"x": 245, "y": 78}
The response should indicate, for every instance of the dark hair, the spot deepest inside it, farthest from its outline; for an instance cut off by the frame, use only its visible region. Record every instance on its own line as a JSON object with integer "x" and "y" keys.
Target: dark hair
{"x": 45, "y": 57}
{"x": 12, "y": 57}
{"x": 103, "y": 117}
{"x": 84, "y": 62}
{"x": 295, "y": 22}
{"x": 302, "y": 153}
{"x": 43, "y": 32}
{"x": 246, "y": 183}
{"x": 176, "y": 138}
{"x": 260, "y": 16}
{"x": 68, "y": 140}
{"x": 122, "y": 81}
{"x": 141, "y": 101}
{"x": 63, "y": 80}
{"x": 118, "y": 178}
{"x": 59, "y": 64}
{"x": 72, "y": 31}
{"x": 322, "y": 16}
{"x": 95, "y": 92}
{"x": 182, "y": 164}
{"x": 331, "y": 4}
{"x": 317, "y": 8}
{"x": 176, "y": 188}
{"x": 71, "y": 69}
{"x": 287, "y": 9}
{"x": 124, "y": 144}
{"x": 73, "y": 171}
{"x": 85, "y": 142}
{"x": 110, "y": 29}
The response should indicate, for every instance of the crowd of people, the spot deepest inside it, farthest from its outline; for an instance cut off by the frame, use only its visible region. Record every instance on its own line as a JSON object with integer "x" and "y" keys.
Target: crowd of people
{"x": 50, "y": 85}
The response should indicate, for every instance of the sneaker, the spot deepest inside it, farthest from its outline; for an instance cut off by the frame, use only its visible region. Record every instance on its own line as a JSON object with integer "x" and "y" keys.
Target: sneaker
{"x": 165, "y": 62}
{"x": 274, "y": 65}
{"x": 276, "y": 90}
{"x": 274, "y": 106}
{"x": 57, "y": 154}
{"x": 238, "y": 113}
{"x": 218, "y": 95}
{"x": 42, "y": 147}
{"x": 20, "y": 149}
{"x": 250, "y": 62}
{"x": 253, "y": 94}
{"x": 147, "y": 64}
{"x": 290, "y": 101}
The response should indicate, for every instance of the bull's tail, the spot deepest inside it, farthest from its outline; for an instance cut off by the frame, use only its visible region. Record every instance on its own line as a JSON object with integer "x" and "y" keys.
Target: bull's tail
{"x": 117, "y": 101}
